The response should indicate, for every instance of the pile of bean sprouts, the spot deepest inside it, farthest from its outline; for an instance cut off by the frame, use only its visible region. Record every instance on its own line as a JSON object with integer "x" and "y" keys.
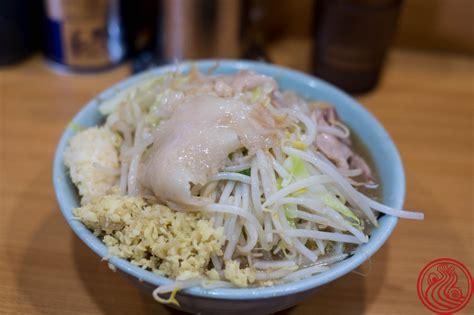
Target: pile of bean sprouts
{"x": 286, "y": 227}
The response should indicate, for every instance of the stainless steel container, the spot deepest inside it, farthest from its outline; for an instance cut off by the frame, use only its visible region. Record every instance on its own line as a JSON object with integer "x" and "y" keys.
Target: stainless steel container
{"x": 195, "y": 29}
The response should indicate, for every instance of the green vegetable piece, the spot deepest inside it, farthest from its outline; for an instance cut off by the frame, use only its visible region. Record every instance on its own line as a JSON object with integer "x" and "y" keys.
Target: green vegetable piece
{"x": 331, "y": 201}
{"x": 290, "y": 214}
{"x": 279, "y": 182}
{"x": 290, "y": 211}
{"x": 74, "y": 126}
{"x": 245, "y": 172}
{"x": 299, "y": 170}
{"x": 256, "y": 93}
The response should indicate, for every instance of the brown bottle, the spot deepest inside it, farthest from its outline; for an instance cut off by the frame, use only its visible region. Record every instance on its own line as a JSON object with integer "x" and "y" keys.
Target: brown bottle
{"x": 351, "y": 40}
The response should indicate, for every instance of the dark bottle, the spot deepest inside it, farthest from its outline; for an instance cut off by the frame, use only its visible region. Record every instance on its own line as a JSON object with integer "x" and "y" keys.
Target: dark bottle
{"x": 20, "y": 29}
{"x": 254, "y": 19}
{"x": 351, "y": 40}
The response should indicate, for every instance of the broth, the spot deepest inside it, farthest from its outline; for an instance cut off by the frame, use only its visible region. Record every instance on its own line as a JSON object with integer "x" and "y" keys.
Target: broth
{"x": 361, "y": 149}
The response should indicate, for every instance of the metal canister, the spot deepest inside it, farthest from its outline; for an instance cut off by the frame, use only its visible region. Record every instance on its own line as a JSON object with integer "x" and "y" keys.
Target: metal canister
{"x": 84, "y": 35}
{"x": 194, "y": 29}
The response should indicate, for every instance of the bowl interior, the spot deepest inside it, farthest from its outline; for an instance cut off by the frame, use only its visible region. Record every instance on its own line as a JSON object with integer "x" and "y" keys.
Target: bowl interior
{"x": 380, "y": 145}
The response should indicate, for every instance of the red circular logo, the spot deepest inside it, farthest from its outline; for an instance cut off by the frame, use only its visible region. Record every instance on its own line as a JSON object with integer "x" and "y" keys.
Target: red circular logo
{"x": 445, "y": 286}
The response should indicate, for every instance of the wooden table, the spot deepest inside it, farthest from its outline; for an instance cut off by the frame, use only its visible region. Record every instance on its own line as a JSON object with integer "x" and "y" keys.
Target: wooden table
{"x": 424, "y": 101}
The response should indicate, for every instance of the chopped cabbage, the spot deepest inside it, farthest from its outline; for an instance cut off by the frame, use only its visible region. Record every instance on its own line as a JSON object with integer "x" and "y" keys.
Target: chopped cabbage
{"x": 331, "y": 201}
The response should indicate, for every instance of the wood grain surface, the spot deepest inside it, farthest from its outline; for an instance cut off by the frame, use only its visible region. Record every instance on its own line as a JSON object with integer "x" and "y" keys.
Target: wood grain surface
{"x": 425, "y": 101}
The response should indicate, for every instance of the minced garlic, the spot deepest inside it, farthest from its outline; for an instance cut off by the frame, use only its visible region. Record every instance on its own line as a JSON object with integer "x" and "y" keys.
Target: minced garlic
{"x": 239, "y": 277}
{"x": 171, "y": 243}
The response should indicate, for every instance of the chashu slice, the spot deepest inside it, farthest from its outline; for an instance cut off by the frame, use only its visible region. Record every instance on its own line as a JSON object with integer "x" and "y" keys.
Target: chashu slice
{"x": 194, "y": 143}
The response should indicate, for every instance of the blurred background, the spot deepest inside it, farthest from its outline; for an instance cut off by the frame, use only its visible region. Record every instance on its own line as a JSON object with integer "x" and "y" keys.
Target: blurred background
{"x": 342, "y": 41}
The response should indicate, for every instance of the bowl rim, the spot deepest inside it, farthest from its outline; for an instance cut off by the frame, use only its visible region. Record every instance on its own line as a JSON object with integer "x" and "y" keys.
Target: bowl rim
{"x": 387, "y": 223}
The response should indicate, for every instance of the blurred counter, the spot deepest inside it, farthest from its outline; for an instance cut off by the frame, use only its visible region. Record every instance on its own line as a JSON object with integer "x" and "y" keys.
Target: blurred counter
{"x": 426, "y": 102}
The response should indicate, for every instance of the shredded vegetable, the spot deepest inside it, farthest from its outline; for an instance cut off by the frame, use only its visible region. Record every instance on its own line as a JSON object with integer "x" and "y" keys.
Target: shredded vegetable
{"x": 337, "y": 205}
{"x": 222, "y": 181}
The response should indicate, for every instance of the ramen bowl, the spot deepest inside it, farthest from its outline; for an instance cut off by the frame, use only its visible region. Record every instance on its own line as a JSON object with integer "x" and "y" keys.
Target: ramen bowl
{"x": 257, "y": 300}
